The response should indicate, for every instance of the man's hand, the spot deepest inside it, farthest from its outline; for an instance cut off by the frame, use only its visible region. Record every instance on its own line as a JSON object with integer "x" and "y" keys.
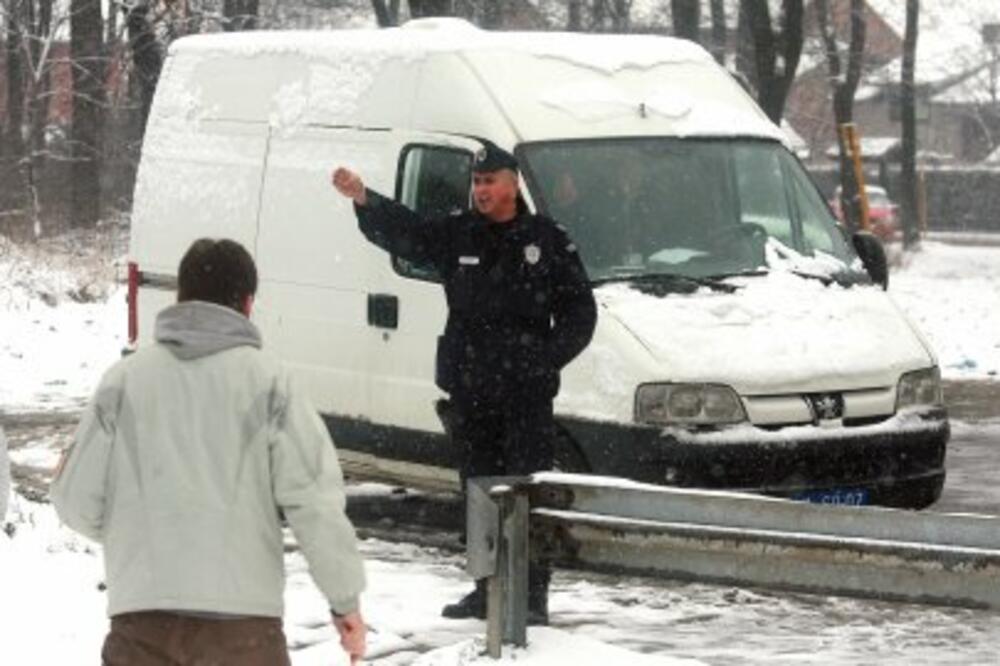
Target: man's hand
{"x": 350, "y": 185}
{"x": 352, "y": 630}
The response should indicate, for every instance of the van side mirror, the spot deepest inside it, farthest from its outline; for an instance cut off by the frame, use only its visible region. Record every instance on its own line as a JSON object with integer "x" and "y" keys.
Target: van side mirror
{"x": 872, "y": 254}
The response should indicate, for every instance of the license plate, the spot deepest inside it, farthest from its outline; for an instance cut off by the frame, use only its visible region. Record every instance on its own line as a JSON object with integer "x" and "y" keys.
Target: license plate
{"x": 837, "y": 496}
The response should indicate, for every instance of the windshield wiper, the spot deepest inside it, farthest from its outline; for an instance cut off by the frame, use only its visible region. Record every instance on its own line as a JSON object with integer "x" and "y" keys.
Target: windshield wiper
{"x": 842, "y": 278}
{"x": 687, "y": 283}
{"x": 749, "y": 272}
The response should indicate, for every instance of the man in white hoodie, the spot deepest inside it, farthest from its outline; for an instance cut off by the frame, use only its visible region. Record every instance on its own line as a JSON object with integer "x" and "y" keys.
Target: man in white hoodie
{"x": 184, "y": 463}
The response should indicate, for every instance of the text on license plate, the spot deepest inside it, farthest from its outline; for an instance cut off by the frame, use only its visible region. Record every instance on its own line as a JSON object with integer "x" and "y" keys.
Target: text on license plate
{"x": 839, "y": 496}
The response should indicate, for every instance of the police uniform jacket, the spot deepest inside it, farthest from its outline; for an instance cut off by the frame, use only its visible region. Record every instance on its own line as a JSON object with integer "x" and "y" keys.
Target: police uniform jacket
{"x": 520, "y": 306}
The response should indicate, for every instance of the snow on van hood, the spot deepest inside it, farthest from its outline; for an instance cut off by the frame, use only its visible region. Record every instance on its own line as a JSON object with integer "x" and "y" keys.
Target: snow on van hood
{"x": 777, "y": 331}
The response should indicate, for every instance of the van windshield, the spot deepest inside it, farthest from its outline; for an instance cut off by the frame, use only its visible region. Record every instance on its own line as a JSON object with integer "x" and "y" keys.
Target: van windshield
{"x": 692, "y": 207}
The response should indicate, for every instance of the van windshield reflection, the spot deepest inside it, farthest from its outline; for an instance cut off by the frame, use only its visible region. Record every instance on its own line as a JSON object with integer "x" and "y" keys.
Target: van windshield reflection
{"x": 701, "y": 208}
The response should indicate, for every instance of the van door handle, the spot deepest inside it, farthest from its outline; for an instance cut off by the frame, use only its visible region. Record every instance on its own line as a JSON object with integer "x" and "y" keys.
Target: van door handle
{"x": 383, "y": 311}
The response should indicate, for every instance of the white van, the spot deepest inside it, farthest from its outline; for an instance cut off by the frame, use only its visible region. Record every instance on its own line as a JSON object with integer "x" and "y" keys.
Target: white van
{"x": 741, "y": 343}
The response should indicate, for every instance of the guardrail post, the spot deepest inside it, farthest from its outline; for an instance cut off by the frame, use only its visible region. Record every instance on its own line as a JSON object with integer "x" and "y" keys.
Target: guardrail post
{"x": 497, "y": 545}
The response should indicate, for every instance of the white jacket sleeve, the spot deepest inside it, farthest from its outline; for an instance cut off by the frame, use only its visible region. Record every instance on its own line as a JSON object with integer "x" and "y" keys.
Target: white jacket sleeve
{"x": 79, "y": 489}
{"x": 309, "y": 489}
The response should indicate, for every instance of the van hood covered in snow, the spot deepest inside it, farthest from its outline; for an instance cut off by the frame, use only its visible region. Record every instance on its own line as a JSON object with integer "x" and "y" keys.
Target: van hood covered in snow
{"x": 777, "y": 332}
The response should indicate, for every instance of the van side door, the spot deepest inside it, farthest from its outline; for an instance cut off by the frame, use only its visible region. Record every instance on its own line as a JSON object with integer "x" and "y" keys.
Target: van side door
{"x": 433, "y": 178}
{"x": 315, "y": 267}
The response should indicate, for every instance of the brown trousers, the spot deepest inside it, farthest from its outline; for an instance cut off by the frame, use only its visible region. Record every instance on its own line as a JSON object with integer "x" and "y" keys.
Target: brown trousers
{"x": 157, "y": 638}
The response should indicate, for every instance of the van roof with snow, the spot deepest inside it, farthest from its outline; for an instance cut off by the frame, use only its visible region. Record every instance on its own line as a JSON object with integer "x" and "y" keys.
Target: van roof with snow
{"x": 520, "y": 86}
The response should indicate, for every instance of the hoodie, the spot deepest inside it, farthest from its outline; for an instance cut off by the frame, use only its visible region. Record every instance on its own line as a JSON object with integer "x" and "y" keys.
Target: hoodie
{"x": 186, "y": 457}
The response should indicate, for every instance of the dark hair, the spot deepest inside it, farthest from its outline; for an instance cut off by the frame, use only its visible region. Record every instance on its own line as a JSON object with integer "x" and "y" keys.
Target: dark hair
{"x": 217, "y": 271}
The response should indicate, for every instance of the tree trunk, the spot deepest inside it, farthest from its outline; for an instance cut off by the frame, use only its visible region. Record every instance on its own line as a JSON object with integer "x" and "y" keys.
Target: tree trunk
{"x": 908, "y": 103}
{"x": 38, "y": 108}
{"x": 574, "y": 22}
{"x": 718, "y": 10}
{"x": 14, "y": 42}
{"x": 621, "y": 15}
{"x": 598, "y": 13}
{"x": 774, "y": 75}
{"x": 240, "y": 15}
{"x": 493, "y": 14}
{"x": 423, "y": 8}
{"x": 147, "y": 59}
{"x": 845, "y": 85}
{"x": 111, "y": 26}
{"x": 86, "y": 32}
{"x": 745, "y": 45}
{"x": 41, "y": 82}
{"x": 382, "y": 15}
{"x": 686, "y": 16}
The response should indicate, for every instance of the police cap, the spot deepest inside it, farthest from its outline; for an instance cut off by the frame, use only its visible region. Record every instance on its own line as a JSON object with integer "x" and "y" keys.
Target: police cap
{"x": 491, "y": 158}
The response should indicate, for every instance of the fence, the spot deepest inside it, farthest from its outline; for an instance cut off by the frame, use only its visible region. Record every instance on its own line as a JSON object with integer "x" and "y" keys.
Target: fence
{"x": 601, "y": 524}
{"x": 958, "y": 198}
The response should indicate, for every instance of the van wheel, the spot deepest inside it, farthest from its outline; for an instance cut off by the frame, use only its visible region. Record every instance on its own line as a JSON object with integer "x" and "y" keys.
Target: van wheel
{"x": 567, "y": 456}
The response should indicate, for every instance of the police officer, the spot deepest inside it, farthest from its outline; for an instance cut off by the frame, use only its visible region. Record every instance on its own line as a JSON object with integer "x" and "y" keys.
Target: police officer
{"x": 520, "y": 308}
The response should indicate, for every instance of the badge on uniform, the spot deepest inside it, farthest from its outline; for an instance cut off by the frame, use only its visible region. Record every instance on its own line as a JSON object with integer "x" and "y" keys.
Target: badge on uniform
{"x": 532, "y": 253}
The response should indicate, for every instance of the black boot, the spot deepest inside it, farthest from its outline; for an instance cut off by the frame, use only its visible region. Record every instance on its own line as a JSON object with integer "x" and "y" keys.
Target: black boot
{"x": 538, "y": 594}
{"x": 471, "y": 605}
{"x": 538, "y": 606}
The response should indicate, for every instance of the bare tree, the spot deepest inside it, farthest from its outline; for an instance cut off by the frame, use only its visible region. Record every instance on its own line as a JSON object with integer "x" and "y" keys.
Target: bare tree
{"x": 147, "y": 56}
{"x": 775, "y": 54}
{"x": 686, "y": 15}
{"x": 86, "y": 49}
{"x": 423, "y": 8}
{"x": 386, "y": 13}
{"x": 844, "y": 81}
{"x": 620, "y": 12}
{"x": 240, "y": 15}
{"x": 494, "y": 13}
{"x": 718, "y": 13}
{"x": 29, "y": 35}
{"x": 574, "y": 15}
{"x": 13, "y": 136}
{"x": 909, "y": 117}
{"x": 598, "y": 13}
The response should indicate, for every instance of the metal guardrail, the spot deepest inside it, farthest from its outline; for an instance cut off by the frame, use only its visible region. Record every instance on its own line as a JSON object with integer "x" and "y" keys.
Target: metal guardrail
{"x": 602, "y": 524}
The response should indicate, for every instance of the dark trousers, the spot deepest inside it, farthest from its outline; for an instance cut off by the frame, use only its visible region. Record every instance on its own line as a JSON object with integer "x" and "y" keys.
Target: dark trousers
{"x": 510, "y": 437}
{"x": 158, "y": 638}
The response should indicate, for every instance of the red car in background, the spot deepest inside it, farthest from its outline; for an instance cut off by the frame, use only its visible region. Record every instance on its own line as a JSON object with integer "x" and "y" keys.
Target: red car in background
{"x": 882, "y": 212}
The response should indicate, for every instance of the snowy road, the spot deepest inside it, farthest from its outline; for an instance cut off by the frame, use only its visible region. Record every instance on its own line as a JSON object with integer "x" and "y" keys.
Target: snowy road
{"x": 51, "y": 610}
{"x": 57, "y": 613}
{"x": 409, "y": 584}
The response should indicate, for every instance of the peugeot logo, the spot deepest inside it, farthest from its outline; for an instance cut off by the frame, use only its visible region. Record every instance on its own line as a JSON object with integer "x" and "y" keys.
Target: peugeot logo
{"x": 826, "y": 406}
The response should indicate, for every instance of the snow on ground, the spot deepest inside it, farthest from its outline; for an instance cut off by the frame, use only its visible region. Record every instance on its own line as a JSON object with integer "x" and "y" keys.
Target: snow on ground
{"x": 52, "y": 612}
{"x": 952, "y": 294}
{"x": 52, "y": 607}
{"x": 62, "y": 320}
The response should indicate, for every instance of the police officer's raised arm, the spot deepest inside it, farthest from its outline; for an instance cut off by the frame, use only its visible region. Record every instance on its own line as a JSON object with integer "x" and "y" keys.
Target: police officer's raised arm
{"x": 390, "y": 225}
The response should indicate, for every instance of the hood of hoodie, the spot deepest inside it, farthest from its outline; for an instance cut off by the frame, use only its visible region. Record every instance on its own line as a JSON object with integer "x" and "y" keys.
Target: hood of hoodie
{"x": 195, "y": 329}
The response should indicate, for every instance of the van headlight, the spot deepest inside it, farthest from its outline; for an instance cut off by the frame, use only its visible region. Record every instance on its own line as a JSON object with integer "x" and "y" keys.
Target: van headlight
{"x": 688, "y": 404}
{"x": 920, "y": 388}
